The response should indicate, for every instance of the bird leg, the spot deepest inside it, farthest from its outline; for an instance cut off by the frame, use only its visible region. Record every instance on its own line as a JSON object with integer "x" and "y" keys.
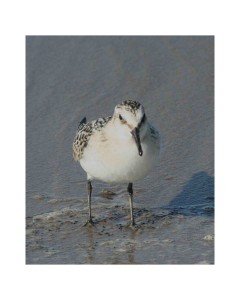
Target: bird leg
{"x": 89, "y": 189}
{"x": 130, "y": 193}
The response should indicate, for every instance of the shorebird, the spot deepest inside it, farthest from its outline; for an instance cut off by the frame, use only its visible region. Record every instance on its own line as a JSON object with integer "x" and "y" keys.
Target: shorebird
{"x": 121, "y": 148}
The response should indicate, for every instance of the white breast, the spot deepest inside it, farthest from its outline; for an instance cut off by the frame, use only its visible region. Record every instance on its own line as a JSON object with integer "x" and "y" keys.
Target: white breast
{"x": 116, "y": 160}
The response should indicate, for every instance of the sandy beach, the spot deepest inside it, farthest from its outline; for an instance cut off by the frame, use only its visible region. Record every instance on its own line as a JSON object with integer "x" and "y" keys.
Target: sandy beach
{"x": 68, "y": 78}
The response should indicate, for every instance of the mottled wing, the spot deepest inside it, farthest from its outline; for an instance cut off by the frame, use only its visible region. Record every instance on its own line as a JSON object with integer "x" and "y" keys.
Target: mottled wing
{"x": 78, "y": 140}
{"x": 84, "y": 132}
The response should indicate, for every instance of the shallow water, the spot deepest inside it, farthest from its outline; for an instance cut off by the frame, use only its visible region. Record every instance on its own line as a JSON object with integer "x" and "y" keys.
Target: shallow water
{"x": 71, "y": 77}
{"x": 161, "y": 237}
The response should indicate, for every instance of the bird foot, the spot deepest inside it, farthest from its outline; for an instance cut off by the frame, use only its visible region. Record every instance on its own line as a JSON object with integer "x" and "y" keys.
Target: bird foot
{"x": 134, "y": 226}
{"x": 89, "y": 222}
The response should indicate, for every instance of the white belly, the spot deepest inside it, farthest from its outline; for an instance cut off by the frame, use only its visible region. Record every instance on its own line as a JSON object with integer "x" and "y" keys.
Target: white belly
{"x": 119, "y": 162}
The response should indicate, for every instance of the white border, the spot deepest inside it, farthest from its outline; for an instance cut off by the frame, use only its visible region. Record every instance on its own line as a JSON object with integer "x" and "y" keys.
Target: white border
{"x": 22, "y": 18}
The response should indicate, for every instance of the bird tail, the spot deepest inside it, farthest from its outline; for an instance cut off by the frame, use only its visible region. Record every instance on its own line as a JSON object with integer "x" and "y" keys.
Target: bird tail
{"x": 81, "y": 124}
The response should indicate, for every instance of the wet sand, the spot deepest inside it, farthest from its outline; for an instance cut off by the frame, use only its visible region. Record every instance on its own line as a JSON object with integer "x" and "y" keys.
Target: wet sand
{"x": 68, "y": 78}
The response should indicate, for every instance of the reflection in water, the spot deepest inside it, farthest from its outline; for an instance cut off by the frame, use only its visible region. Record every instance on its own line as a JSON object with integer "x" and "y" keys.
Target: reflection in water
{"x": 119, "y": 251}
{"x": 90, "y": 246}
{"x": 123, "y": 250}
{"x": 132, "y": 246}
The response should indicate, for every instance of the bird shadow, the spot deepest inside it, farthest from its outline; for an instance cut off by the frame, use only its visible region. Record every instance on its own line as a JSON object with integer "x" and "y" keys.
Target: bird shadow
{"x": 196, "y": 197}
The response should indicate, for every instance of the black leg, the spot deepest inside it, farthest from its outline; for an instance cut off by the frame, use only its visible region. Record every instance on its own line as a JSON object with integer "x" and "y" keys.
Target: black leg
{"x": 130, "y": 192}
{"x": 89, "y": 189}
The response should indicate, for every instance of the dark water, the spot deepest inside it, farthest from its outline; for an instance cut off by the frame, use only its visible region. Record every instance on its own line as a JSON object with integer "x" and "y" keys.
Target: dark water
{"x": 68, "y": 78}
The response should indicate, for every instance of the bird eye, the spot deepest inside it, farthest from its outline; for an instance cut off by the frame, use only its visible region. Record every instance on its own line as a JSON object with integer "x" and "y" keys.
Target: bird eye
{"x": 120, "y": 117}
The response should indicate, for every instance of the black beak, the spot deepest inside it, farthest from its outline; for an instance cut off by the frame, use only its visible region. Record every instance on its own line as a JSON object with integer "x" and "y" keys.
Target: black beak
{"x": 135, "y": 134}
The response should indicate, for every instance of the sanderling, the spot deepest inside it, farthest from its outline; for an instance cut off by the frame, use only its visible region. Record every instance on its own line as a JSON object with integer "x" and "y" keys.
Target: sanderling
{"x": 121, "y": 148}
